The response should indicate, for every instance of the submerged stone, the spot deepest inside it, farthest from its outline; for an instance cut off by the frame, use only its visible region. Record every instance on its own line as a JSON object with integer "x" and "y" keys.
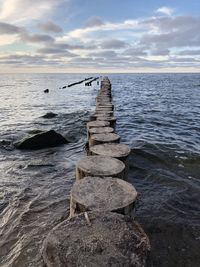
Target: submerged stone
{"x": 7, "y": 145}
{"x": 49, "y": 115}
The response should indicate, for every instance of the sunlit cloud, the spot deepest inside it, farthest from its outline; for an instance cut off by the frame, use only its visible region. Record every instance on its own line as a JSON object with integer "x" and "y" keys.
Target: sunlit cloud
{"x": 8, "y": 39}
{"x": 165, "y": 10}
{"x": 26, "y": 10}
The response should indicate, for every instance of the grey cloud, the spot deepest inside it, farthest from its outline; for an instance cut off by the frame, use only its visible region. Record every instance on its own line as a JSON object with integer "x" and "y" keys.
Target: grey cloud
{"x": 75, "y": 47}
{"x": 6, "y": 28}
{"x": 104, "y": 54}
{"x": 190, "y": 53}
{"x": 135, "y": 51}
{"x": 57, "y": 48}
{"x": 83, "y": 59}
{"x": 28, "y": 60}
{"x": 173, "y": 32}
{"x": 50, "y": 27}
{"x": 24, "y": 36}
{"x": 36, "y": 38}
{"x": 50, "y": 50}
{"x": 21, "y": 59}
{"x": 116, "y": 62}
{"x": 62, "y": 49}
{"x": 172, "y": 39}
{"x": 169, "y": 24}
{"x": 93, "y": 21}
{"x": 58, "y": 51}
{"x": 160, "y": 52}
{"x": 186, "y": 60}
{"x": 113, "y": 44}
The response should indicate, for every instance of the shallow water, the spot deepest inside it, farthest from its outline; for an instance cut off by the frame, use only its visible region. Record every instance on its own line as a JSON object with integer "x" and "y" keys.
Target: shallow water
{"x": 158, "y": 116}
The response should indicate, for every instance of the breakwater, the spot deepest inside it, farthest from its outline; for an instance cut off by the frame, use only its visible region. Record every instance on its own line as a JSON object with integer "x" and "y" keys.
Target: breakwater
{"x": 90, "y": 82}
{"x": 101, "y": 230}
{"x": 79, "y": 82}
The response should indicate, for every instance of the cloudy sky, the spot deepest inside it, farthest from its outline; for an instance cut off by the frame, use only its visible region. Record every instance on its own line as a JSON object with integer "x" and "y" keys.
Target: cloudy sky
{"x": 99, "y": 36}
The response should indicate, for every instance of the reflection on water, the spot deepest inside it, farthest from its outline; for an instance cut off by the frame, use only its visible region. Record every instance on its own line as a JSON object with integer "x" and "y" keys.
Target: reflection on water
{"x": 158, "y": 116}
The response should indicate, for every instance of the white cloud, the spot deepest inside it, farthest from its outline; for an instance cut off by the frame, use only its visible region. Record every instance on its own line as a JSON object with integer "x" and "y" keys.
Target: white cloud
{"x": 165, "y": 10}
{"x": 8, "y": 39}
{"x": 26, "y": 10}
{"x": 89, "y": 32}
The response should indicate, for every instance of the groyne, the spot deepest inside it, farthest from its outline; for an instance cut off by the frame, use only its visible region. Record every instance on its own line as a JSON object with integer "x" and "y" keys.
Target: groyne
{"x": 79, "y": 82}
{"x": 90, "y": 82}
{"x": 101, "y": 229}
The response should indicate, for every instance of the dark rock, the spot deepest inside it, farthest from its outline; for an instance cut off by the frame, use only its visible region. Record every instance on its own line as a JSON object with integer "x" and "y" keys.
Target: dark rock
{"x": 40, "y": 165}
{"x": 35, "y": 131}
{"x": 49, "y": 115}
{"x": 42, "y": 140}
{"x": 46, "y": 91}
{"x": 7, "y": 145}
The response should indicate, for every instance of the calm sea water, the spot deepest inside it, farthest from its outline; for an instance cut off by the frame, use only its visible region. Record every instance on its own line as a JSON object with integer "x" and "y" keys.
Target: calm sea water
{"x": 158, "y": 117}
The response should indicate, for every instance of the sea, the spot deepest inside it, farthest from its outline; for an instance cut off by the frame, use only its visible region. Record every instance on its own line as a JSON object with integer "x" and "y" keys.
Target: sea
{"x": 158, "y": 116}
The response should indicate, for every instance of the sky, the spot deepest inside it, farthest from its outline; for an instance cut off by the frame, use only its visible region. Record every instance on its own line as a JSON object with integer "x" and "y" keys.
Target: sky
{"x": 58, "y": 36}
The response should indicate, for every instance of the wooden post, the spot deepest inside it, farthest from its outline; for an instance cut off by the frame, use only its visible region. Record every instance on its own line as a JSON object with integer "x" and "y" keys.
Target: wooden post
{"x": 112, "y": 120}
{"x": 103, "y": 109}
{"x": 100, "y": 167}
{"x": 97, "y": 139}
{"x": 96, "y": 239}
{"x": 94, "y": 116}
{"x": 103, "y": 194}
{"x": 118, "y": 151}
{"x": 100, "y": 130}
{"x": 95, "y": 124}
{"x": 99, "y": 105}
